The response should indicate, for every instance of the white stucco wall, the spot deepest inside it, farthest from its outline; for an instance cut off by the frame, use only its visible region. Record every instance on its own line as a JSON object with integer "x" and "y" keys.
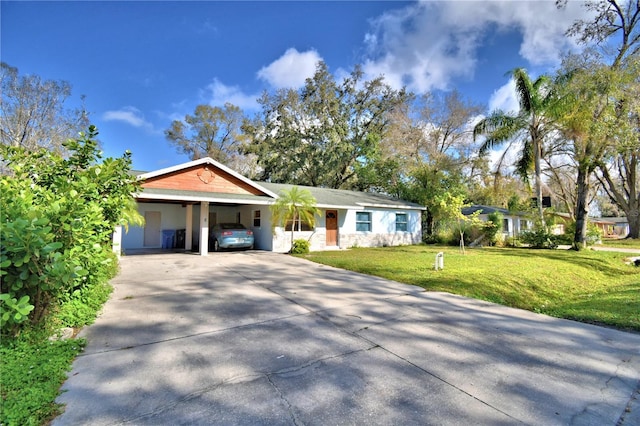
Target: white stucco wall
{"x": 172, "y": 216}
{"x": 383, "y": 231}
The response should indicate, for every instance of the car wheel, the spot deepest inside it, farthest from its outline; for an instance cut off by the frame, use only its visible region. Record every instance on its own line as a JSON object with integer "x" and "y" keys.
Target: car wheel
{"x": 216, "y": 245}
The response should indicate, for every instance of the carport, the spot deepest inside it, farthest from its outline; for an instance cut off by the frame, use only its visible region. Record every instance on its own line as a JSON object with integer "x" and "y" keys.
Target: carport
{"x": 219, "y": 194}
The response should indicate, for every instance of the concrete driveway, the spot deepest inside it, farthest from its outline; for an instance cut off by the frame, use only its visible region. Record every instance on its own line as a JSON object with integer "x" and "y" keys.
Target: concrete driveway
{"x": 262, "y": 338}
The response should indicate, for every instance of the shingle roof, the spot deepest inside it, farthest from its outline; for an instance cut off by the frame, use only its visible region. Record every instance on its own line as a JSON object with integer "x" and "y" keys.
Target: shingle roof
{"x": 326, "y": 197}
{"x": 483, "y": 210}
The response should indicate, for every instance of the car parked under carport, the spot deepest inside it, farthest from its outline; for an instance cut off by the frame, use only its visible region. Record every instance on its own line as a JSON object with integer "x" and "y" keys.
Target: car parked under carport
{"x": 230, "y": 236}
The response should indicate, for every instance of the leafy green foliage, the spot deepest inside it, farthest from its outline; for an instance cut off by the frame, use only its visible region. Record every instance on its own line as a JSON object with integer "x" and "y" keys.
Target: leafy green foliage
{"x": 325, "y": 134}
{"x": 214, "y": 132}
{"x": 294, "y": 205}
{"x": 81, "y": 306}
{"x": 58, "y": 216}
{"x": 493, "y": 227}
{"x": 31, "y": 372}
{"x": 539, "y": 238}
{"x": 531, "y": 125}
{"x": 300, "y": 246}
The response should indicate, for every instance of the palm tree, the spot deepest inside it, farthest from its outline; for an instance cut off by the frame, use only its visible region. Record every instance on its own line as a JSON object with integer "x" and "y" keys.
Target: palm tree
{"x": 533, "y": 122}
{"x": 295, "y": 205}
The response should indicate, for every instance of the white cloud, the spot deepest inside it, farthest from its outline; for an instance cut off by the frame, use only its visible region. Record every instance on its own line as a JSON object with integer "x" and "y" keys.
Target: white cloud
{"x": 505, "y": 99}
{"x": 218, "y": 93}
{"x": 130, "y": 115}
{"x": 426, "y": 45}
{"x": 291, "y": 69}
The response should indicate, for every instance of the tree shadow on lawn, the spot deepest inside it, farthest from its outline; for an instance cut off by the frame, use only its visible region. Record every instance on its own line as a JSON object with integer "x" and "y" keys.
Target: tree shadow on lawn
{"x": 599, "y": 261}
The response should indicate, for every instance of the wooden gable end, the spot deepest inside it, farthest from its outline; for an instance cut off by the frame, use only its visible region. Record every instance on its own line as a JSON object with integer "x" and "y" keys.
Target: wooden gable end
{"x": 203, "y": 178}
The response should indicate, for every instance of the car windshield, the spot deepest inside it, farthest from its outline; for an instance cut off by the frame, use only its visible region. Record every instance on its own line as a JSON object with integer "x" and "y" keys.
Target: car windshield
{"x": 231, "y": 226}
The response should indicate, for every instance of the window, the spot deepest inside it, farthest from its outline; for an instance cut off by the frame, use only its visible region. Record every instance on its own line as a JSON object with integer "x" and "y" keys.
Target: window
{"x": 256, "y": 218}
{"x": 505, "y": 225}
{"x": 401, "y": 222}
{"x": 363, "y": 221}
{"x": 304, "y": 226}
{"x": 238, "y": 218}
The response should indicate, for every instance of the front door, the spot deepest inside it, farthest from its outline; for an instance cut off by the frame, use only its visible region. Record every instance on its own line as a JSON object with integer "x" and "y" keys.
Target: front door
{"x": 331, "y": 220}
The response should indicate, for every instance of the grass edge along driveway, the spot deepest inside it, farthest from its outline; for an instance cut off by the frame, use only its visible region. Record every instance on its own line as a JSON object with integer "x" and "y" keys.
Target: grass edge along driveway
{"x": 588, "y": 286}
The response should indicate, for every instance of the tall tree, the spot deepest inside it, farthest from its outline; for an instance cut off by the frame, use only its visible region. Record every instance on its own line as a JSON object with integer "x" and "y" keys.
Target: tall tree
{"x": 295, "y": 205}
{"x": 447, "y": 124}
{"x": 620, "y": 174}
{"x": 214, "y": 132}
{"x": 325, "y": 134}
{"x": 530, "y": 126}
{"x": 592, "y": 121}
{"x": 616, "y": 32}
{"x": 33, "y": 114}
{"x": 428, "y": 152}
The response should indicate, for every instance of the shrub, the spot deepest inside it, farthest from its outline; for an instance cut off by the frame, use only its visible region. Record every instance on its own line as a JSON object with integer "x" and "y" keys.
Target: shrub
{"x": 538, "y": 238}
{"x": 493, "y": 227}
{"x": 80, "y": 307}
{"x": 300, "y": 246}
{"x": 594, "y": 234}
{"x": 57, "y": 217}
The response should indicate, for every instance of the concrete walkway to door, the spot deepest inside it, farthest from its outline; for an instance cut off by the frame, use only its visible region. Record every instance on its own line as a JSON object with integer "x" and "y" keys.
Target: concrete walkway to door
{"x": 261, "y": 338}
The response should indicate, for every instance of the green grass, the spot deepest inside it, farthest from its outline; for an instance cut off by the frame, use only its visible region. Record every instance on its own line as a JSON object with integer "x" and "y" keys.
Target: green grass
{"x": 31, "y": 372}
{"x": 32, "y": 368}
{"x": 588, "y": 286}
{"x": 625, "y": 243}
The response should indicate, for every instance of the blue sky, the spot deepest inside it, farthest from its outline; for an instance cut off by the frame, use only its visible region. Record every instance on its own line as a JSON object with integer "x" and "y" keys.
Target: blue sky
{"x": 141, "y": 65}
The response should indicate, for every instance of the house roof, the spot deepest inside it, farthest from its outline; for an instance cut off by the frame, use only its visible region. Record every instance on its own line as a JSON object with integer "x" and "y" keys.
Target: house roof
{"x": 617, "y": 220}
{"x": 341, "y": 198}
{"x": 467, "y": 211}
{"x": 325, "y": 197}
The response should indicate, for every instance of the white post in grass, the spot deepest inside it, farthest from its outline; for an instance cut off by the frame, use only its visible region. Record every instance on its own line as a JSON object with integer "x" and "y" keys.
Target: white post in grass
{"x": 439, "y": 261}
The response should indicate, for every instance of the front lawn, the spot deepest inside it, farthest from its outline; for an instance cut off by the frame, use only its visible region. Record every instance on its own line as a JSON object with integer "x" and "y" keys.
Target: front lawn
{"x": 623, "y": 243}
{"x": 588, "y": 286}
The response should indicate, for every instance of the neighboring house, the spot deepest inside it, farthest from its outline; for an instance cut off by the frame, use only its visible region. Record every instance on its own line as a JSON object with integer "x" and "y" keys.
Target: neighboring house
{"x": 609, "y": 226}
{"x": 512, "y": 223}
{"x": 605, "y": 226}
{"x": 619, "y": 227}
{"x": 181, "y": 203}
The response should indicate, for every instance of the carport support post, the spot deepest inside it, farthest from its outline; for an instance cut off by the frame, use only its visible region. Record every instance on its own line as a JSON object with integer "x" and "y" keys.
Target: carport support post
{"x": 204, "y": 228}
{"x": 188, "y": 238}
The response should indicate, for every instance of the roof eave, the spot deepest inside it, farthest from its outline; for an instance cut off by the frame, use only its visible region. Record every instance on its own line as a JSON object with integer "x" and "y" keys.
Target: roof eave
{"x": 191, "y": 198}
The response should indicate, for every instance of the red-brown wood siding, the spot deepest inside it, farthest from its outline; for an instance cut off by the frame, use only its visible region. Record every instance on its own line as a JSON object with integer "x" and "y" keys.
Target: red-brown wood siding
{"x": 188, "y": 180}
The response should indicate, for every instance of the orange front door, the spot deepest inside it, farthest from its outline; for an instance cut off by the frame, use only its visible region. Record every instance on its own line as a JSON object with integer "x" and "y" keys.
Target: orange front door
{"x": 332, "y": 227}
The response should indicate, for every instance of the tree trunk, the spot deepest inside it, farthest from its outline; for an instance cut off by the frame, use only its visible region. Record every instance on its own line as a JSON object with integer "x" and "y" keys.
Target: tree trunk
{"x": 429, "y": 224}
{"x": 293, "y": 226}
{"x": 633, "y": 217}
{"x": 580, "y": 238}
{"x": 627, "y": 197}
{"x": 538, "y": 170}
